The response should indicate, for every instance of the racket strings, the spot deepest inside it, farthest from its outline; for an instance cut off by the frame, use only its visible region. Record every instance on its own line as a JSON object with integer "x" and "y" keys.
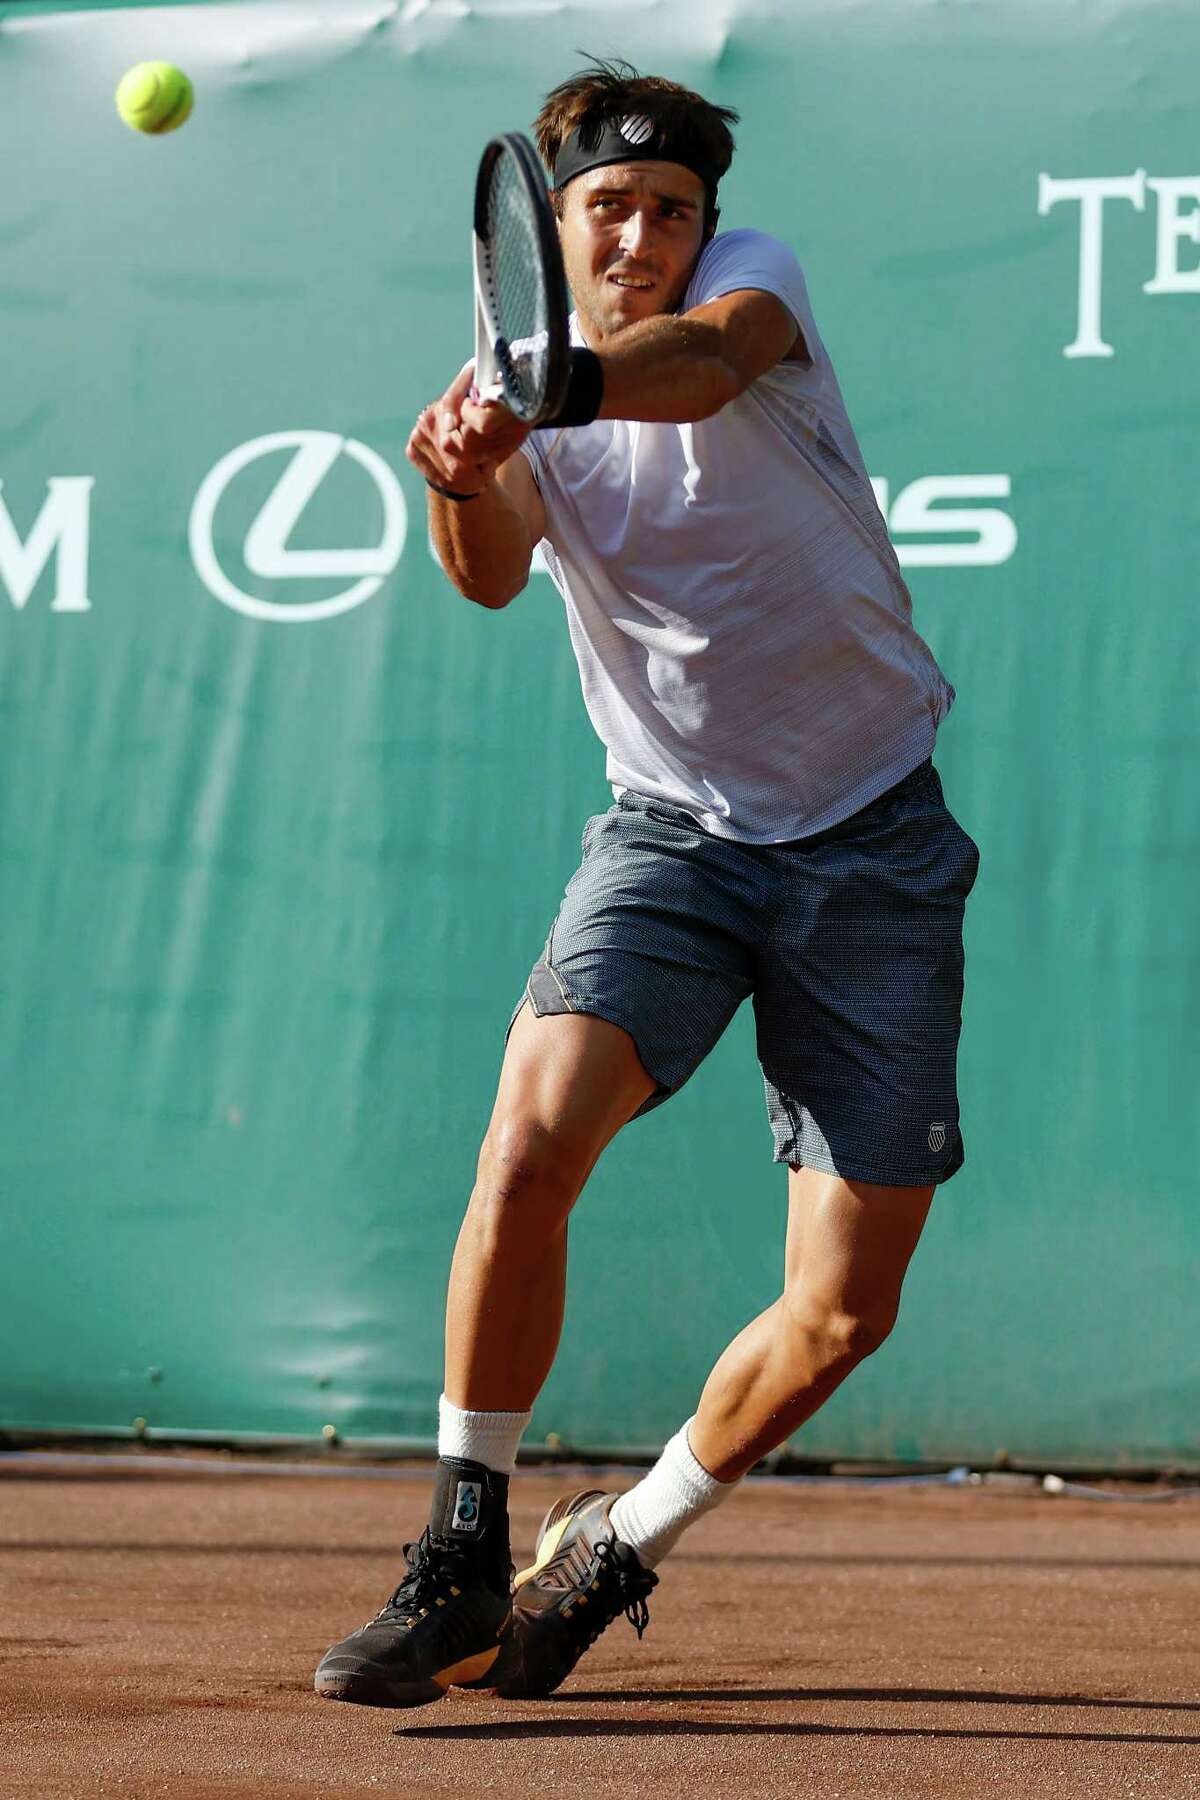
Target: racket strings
{"x": 518, "y": 286}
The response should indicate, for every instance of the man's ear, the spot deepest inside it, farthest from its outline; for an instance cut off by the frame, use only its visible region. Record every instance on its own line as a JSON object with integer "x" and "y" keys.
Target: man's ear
{"x": 711, "y": 224}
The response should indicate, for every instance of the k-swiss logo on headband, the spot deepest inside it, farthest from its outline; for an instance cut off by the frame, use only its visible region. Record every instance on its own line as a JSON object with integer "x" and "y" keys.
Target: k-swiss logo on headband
{"x": 466, "y": 1506}
{"x": 937, "y": 1135}
{"x": 636, "y": 129}
{"x": 265, "y": 544}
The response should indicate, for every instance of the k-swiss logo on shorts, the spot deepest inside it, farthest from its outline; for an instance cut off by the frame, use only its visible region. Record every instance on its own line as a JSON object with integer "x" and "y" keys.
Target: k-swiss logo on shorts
{"x": 937, "y": 1135}
{"x": 466, "y": 1506}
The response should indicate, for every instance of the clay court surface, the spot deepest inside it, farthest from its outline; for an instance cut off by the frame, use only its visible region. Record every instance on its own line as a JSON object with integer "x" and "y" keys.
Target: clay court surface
{"x": 159, "y": 1631}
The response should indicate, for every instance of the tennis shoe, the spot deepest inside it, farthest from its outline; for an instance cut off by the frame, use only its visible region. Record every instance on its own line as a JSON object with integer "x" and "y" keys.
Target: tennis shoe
{"x": 581, "y": 1579}
{"x": 449, "y": 1620}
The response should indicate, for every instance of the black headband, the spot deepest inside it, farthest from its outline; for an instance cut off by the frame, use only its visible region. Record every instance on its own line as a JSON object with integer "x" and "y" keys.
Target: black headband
{"x": 632, "y": 139}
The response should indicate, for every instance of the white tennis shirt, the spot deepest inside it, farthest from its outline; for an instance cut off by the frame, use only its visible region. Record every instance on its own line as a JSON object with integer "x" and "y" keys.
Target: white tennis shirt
{"x": 743, "y": 632}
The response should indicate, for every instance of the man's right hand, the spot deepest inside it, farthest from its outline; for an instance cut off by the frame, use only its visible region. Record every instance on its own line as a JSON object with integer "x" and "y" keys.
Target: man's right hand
{"x": 463, "y": 453}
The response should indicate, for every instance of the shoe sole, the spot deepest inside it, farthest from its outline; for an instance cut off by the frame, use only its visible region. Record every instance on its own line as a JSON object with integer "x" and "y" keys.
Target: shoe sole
{"x": 551, "y": 1532}
{"x": 361, "y": 1688}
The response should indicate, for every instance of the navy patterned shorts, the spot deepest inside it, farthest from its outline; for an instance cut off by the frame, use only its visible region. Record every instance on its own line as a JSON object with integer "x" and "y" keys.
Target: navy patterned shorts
{"x": 848, "y": 942}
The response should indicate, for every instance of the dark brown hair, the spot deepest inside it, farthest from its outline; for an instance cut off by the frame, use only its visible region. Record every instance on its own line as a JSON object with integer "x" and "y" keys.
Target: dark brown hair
{"x": 607, "y": 91}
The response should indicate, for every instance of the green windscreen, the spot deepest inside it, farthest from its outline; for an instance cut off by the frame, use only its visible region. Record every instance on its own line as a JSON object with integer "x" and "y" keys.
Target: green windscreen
{"x": 284, "y": 819}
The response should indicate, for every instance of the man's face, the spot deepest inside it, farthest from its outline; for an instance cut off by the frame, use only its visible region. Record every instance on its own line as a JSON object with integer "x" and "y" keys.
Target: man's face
{"x": 630, "y": 237}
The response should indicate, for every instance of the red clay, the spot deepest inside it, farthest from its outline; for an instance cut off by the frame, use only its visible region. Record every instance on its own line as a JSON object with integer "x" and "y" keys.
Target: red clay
{"x": 159, "y": 1633}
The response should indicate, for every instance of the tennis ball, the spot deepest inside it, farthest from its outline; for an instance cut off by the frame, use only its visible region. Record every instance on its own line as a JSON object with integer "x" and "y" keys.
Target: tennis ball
{"x": 154, "y": 97}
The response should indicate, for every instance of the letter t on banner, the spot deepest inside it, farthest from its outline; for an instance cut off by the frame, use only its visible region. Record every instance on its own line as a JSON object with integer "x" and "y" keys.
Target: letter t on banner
{"x": 1091, "y": 192}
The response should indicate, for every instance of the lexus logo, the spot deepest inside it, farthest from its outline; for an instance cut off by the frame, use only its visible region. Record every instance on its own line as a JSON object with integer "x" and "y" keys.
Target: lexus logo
{"x": 265, "y": 550}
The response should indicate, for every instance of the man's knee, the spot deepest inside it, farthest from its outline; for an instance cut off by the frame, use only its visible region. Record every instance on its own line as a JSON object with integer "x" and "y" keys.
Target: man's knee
{"x": 837, "y": 1335}
{"x": 528, "y": 1175}
{"x": 568, "y": 1083}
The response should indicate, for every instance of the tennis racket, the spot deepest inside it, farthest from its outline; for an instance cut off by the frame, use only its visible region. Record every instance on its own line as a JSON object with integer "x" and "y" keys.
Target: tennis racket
{"x": 522, "y": 339}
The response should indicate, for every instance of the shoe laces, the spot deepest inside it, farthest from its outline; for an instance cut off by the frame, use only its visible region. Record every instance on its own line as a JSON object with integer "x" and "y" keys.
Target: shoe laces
{"x": 436, "y": 1570}
{"x": 624, "y": 1585}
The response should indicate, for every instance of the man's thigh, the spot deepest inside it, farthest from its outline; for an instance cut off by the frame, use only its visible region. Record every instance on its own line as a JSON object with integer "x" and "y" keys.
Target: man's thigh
{"x": 572, "y": 1079}
{"x": 656, "y": 935}
{"x": 849, "y": 1243}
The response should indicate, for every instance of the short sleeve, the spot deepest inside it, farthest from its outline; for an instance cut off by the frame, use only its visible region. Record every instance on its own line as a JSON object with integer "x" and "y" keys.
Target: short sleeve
{"x": 752, "y": 259}
{"x": 534, "y": 455}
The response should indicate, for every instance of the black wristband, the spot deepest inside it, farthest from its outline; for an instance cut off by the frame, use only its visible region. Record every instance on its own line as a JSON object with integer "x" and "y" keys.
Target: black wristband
{"x": 585, "y": 390}
{"x": 449, "y": 493}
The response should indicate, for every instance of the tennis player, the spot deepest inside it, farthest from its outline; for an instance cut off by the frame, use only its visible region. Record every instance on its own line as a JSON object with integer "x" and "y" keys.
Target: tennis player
{"x": 778, "y": 833}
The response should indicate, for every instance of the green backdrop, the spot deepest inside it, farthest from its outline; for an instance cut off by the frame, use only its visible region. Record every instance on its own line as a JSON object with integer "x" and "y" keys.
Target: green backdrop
{"x": 284, "y": 820}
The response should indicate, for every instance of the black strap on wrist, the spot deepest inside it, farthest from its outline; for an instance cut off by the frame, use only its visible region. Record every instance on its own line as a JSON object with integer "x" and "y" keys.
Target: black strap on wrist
{"x": 585, "y": 390}
{"x": 449, "y": 493}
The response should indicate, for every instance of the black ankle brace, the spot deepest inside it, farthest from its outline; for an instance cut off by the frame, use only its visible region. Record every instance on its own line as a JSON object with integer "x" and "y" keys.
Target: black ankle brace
{"x": 470, "y": 1510}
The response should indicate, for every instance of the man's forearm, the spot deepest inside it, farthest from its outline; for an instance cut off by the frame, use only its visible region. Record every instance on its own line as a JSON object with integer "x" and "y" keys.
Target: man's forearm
{"x": 665, "y": 369}
{"x": 483, "y": 545}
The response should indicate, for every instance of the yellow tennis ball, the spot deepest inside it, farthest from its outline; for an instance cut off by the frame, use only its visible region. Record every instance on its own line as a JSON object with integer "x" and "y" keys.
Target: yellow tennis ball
{"x": 154, "y": 97}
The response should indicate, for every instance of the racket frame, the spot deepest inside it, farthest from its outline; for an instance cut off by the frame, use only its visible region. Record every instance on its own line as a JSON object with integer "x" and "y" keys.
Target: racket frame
{"x": 492, "y": 379}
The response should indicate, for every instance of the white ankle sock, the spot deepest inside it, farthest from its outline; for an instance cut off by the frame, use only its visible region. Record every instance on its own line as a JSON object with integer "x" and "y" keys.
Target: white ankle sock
{"x": 490, "y": 1438}
{"x": 653, "y": 1515}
